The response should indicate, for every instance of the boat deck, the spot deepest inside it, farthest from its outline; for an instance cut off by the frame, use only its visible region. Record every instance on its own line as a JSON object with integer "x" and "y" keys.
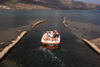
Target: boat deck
{"x": 49, "y": 41}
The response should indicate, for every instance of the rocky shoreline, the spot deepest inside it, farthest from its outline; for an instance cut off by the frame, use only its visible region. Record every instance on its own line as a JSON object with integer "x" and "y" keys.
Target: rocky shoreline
{"x": 22, "y": 6}
{"x": 47, "y": 5}
{"x": 28, "y": 7}
{"x": 4, "y": 7}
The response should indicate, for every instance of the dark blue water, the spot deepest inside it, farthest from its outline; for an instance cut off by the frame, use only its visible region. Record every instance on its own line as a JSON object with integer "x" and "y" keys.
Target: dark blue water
{"x": 28, "y": 52}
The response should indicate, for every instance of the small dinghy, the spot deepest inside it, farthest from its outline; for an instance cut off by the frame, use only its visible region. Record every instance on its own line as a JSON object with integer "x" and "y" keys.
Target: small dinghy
{"x": 50, "y": 40}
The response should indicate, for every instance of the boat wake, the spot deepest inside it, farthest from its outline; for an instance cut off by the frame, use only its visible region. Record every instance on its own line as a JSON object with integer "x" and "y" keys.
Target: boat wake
{"x": 49, "y": 54}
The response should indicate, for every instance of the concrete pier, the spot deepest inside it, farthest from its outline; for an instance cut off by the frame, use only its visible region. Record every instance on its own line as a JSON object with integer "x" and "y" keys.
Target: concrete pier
{"x": 6, "y": 49}
{"x": 38, "y": 23}
{"x": 92, "y": 45}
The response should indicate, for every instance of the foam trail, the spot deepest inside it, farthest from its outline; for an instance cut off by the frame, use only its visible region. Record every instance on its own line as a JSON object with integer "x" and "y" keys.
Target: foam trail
{"x": 44, "y": 50}
{"x": 53, "y": 56}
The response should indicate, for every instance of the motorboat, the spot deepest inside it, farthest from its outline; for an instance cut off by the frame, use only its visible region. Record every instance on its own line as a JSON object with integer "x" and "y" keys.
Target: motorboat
{"x": 50, "y": 41}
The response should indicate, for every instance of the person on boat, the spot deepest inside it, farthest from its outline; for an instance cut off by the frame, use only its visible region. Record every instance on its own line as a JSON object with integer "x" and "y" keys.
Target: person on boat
{"x": 48, "y": 36}
{"x": 56, "y": 35}
{"x": 51, "y": 34}
{"x": 48, "y": 33}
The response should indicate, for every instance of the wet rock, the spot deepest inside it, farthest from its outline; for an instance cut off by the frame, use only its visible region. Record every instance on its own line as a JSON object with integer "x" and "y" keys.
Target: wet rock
{"x": 19, "y": 30}
{"x": 76, "y": 28}
{"x": 92, "y": 31}
{"x": 2, "y": 43}
{"x": 83, "y": 28}
{"x": 83, "y": 35}
{"x": 71, "y": 20}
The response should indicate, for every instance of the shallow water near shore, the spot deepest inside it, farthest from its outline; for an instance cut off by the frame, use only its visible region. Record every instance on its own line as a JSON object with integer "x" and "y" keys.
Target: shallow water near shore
{"x": 28, "y": 52}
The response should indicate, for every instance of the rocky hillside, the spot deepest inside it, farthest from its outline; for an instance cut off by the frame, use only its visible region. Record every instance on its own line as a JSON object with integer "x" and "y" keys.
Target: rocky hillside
{"x": 46, "y": 4}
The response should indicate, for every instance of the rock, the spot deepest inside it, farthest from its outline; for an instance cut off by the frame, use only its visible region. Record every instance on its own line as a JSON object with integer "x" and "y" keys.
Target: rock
{"x": 83, "y": 35}
{"x": 19, "y": 30}
{"x": 76, "y": 28}
{"x": 71, "y": 20}
{"x": 2, "y": 43}
{"x": 83, "y": 28}
{"x": 92, "y": 31}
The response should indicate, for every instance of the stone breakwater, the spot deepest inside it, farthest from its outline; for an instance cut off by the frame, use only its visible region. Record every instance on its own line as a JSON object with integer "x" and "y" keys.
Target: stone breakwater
{"x": 85, "y": 40}
{"x": 6, "y": 49}
{"x": 38, "y": 23}
{"x": 64, "y": 22}
{"x": 92, "y": 45}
